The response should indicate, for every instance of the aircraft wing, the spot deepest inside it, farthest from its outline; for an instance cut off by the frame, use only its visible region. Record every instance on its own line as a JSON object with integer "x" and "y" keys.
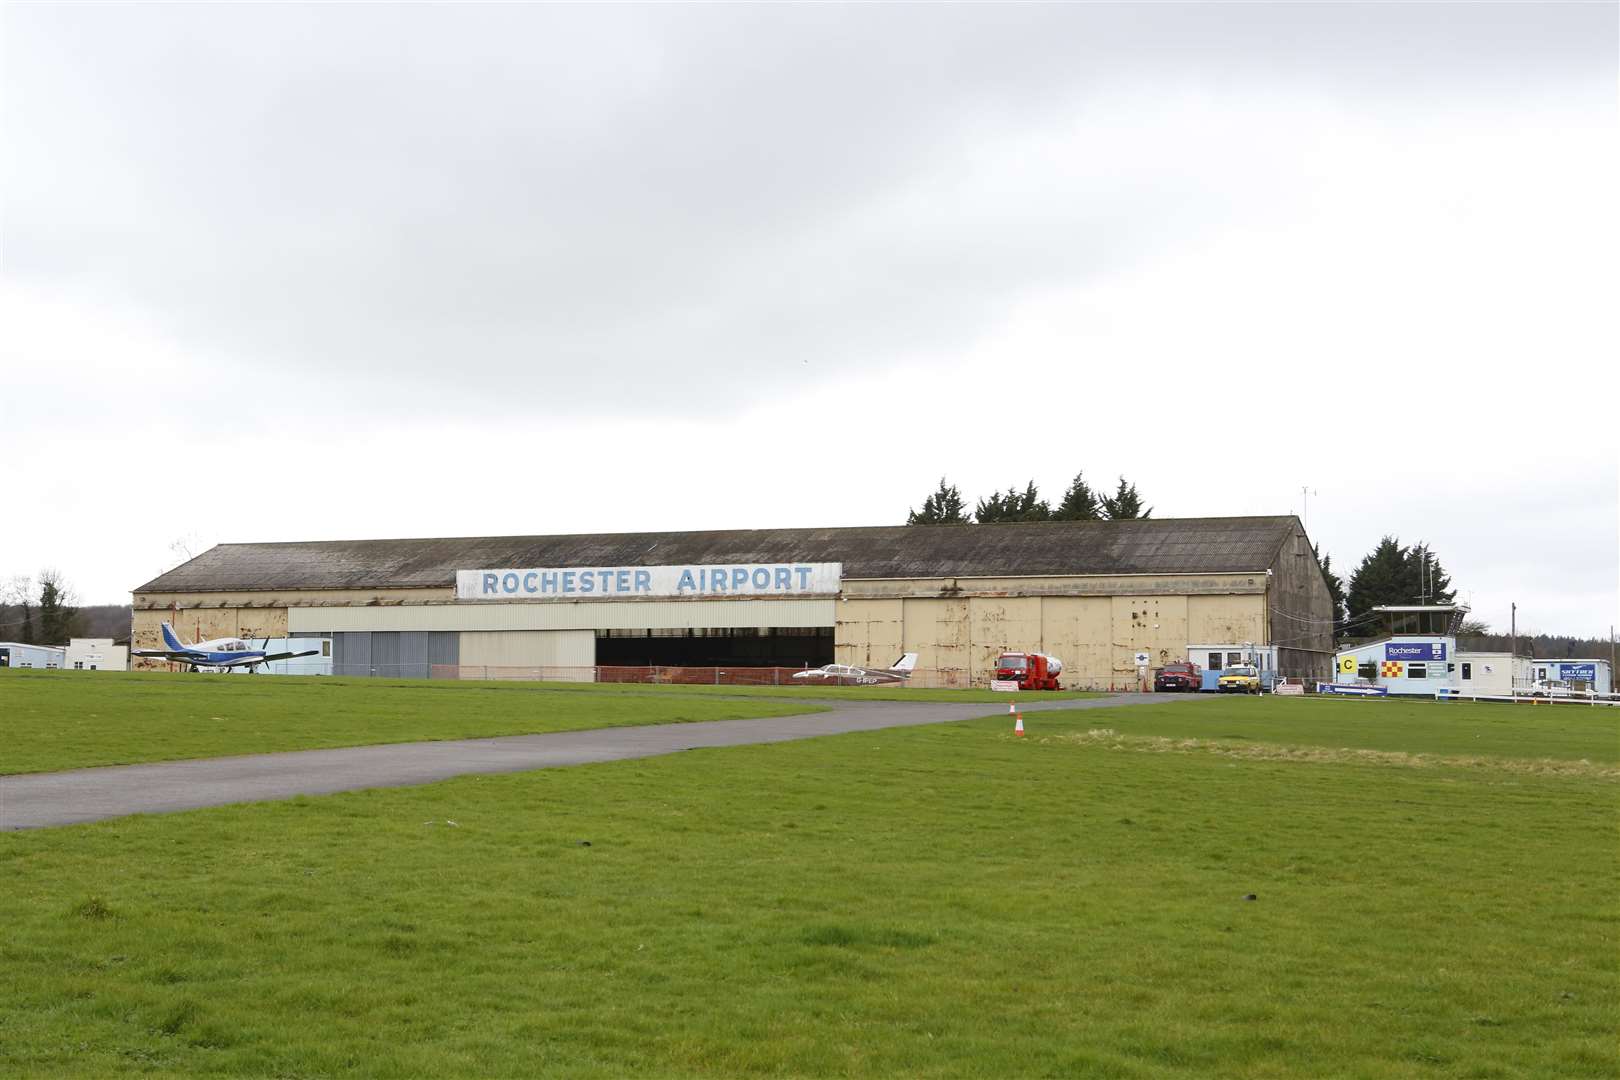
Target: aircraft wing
{"x": 180, "y": 657}
{"x": 249, "y": 661}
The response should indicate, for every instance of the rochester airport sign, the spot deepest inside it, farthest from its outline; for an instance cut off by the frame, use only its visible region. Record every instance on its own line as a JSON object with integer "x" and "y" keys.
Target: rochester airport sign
{"x": 651, "y": 582}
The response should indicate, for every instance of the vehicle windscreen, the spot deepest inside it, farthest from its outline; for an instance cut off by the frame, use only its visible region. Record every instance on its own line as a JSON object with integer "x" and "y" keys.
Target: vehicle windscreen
{"x": 1013, "y": 663}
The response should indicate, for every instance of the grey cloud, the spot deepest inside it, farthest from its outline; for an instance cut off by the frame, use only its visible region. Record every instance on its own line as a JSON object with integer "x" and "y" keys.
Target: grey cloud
{"x": 662, "y": 199}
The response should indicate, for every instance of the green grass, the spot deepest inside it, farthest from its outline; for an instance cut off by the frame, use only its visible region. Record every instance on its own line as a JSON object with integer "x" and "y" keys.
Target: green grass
{"x": 1451, "y": 728}
{"x": 64, "y": 720}
{"x": 938, "y": 901}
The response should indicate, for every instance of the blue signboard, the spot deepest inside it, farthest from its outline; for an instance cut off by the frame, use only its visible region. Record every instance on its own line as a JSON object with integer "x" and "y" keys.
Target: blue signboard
{"x": 1415, "y": 650}
{"x": 1587, "y": 672}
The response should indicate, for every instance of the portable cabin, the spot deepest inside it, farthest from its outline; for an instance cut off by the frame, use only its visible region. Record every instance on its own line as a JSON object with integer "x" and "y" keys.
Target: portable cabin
{"x": 16, "y": 654}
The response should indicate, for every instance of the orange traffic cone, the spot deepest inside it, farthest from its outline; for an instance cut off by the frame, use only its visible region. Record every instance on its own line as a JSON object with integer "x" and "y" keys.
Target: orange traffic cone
{"x": 1018, "y": 725}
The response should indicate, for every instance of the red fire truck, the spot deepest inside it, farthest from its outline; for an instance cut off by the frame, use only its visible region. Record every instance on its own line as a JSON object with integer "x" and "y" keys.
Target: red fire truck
{"x": 1031, "y": 671}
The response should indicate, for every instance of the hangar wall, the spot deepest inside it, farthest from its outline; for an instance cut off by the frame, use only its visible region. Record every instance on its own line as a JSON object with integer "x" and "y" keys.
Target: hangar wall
{"x": 1097, "y": 637}
{"x": 569, "y": 615}
{"x": 528, "y": 648}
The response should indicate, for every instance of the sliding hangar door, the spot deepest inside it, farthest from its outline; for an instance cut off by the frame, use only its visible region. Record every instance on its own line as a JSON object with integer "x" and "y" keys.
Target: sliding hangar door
{"x": 415, "y": 641}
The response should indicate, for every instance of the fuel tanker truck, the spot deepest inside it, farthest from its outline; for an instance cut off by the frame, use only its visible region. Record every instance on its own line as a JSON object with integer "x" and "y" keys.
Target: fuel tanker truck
{"x": 1031, "y": 671}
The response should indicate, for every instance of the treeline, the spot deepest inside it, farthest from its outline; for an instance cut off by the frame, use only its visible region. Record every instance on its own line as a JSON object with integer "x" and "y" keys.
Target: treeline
{"x": 1080, "y": 502}
{"x": 1546, "y": 646}
{"x": 45, "y": 614}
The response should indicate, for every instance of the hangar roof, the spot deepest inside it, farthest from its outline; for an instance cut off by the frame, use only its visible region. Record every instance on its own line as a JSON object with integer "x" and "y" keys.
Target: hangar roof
{"x": 1058, "y": 548}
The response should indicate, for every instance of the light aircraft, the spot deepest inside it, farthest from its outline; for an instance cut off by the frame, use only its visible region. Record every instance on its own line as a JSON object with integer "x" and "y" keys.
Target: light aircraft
{"x": 220, "y": 654}
{"x": 848, "y": 675}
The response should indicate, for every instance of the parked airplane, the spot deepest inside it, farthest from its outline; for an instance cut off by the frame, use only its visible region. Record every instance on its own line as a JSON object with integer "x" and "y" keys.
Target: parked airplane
{"x": 221, "y": 654}
{"x": 848, "y": 675}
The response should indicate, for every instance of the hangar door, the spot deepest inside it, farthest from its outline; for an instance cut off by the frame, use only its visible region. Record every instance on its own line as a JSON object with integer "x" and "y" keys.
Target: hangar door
{"x": 725, "y": 646}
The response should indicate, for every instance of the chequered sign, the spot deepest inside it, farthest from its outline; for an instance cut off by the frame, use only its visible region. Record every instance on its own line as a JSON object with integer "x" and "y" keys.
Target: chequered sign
{"x": 1392, "y": 669}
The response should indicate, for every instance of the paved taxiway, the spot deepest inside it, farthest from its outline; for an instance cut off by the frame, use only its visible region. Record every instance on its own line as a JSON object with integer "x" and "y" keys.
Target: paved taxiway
{"x": 38, "y": 800}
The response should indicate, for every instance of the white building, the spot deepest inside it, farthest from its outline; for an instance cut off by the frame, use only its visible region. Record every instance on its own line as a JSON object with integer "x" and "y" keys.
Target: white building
{"x": 1492, "y": 674}
{"x": 1418, "y": 658}
{"x": 16, "y": 654}
{"x": 1579, "y": 674}
{"x": 96, "y": 654}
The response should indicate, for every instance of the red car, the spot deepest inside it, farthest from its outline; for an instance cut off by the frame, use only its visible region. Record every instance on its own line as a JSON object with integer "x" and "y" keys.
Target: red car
{"x": 1179, "y": 677}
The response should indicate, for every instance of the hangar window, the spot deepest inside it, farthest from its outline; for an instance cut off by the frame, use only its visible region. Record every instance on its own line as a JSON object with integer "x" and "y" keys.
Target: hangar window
{"x": 1234, "y": 659}
{"x": 1214, "y": 661}
{"x": 1368, "y": 671}
{"x": 1417, "y": 671}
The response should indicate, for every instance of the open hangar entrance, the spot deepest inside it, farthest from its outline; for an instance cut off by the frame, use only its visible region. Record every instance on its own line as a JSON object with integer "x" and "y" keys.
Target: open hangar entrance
{"x": 725, "y": 646}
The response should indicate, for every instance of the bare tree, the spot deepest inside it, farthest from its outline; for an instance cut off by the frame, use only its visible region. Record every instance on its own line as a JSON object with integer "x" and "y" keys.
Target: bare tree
{"x": 58, "y": 613}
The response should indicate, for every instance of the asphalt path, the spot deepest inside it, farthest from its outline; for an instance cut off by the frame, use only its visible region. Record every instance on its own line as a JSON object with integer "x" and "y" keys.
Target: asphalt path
{"x": 40, "y": 800}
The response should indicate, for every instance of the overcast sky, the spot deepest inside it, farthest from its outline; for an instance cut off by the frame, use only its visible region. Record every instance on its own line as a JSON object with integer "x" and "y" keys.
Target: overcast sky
{"x": 293, "y": 273}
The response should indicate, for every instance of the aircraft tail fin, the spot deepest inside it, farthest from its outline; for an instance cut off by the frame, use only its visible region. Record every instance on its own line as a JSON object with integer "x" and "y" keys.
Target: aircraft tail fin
{"x": 906, "y": 664}
{"x": 171, "y": 639}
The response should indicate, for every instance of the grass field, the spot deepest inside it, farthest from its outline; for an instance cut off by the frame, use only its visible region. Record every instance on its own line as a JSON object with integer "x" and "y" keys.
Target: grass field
{"x": 937, "y": 901}
{"x": 63, "y": 720}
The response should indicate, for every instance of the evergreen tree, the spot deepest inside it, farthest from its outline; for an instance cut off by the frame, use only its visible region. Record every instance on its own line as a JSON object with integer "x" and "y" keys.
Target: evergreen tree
{"x": 27, "y": 634}
{"x": 943, "y": 507}
{"x": 1015, "y": 505}
{"x": 1079, "y": 503}
{"x": 57, "y": 613}
{"x": 1380, "y": 579}
{"x": 1124, "y": 504}
{"x": 1394, "y": 574}
{"x": 1335, "y": 586}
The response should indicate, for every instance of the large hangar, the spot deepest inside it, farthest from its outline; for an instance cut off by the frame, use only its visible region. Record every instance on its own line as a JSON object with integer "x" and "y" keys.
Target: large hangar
{"x": 1095, "y": 593}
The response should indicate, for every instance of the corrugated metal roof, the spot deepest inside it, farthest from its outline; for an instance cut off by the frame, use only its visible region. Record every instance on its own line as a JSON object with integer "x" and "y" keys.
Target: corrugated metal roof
{"x": 1059, "y": 548}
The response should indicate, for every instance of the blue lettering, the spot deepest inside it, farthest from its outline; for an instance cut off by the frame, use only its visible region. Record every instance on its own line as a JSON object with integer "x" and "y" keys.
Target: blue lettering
{"x": 717, "y": 579}
{"x": 528, "y": 581}
{"x": 509, "y": 583}
{"x": 686, "y": 582}
{"x": 762, "y": 578}
{"x": 621, "y": 581}
{"x": 784, "y": 578}
{"x": 548, "y": 581}
{"x": 568, "y": 581}
{"x": 644, "y": 580}
{"x": 587, "y": 583}
{"x": 739, "y": 578}
{"x": 491, "y": 583}
{"x": 804, "y": 576}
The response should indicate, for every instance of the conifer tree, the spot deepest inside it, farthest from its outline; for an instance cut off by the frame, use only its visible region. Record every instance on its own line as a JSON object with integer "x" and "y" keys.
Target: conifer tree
{"x": 943, "y": 507}
{"x": 1079, "y": 503}
{"x": 1124, "y": 504}
{"x": 1014, "y": 505}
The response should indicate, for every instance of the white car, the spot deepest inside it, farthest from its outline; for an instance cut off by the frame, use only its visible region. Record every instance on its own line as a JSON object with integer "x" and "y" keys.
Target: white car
{"x": 1552, "y": 688}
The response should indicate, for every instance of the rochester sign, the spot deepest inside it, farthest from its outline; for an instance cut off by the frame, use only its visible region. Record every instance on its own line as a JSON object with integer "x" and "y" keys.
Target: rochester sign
{"x": 1415, "y": 650}
{"x": 651, "y": 582}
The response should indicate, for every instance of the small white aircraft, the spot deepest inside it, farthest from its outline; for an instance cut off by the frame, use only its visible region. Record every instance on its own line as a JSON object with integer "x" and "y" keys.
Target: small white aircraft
{"x": 220, "y": 654}
{"x": 849, "y": 675}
